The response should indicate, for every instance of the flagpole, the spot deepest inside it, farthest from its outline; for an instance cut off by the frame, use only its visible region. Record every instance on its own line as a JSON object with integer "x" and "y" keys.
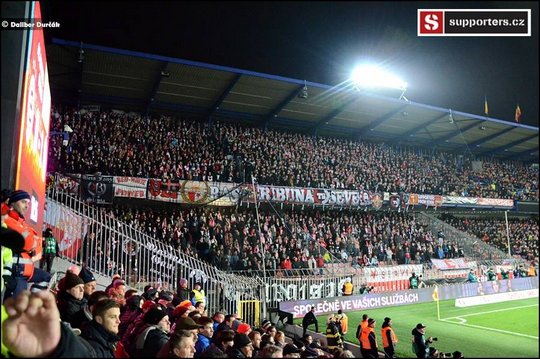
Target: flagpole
{"x": 435, "y": 296}
{"x": 438, "y": 309}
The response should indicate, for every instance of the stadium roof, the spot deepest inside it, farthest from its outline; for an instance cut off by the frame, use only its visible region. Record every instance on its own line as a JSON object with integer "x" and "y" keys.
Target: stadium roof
{"x": 151, "y": 83}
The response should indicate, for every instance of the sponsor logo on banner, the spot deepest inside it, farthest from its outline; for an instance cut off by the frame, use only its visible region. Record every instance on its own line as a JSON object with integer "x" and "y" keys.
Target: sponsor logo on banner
{"x": 195, "y": 191}
{"x": 163, "y": 190}
{"x": 395, "y": 202}
{"x": 97, "y": 189}
{"x": 412, "y": 199}
{"x": 377, "y": 201}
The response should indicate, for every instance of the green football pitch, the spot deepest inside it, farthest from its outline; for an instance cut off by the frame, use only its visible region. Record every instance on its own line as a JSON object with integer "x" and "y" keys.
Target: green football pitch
{"x": 499, "y": 330}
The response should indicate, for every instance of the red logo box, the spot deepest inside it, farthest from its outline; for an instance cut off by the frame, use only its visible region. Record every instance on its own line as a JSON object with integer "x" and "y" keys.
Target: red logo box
{"x": 430, "y": 22}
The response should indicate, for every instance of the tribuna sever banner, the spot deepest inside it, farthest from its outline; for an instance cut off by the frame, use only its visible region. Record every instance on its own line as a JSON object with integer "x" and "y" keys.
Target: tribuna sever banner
{"x": 230, "y": 194}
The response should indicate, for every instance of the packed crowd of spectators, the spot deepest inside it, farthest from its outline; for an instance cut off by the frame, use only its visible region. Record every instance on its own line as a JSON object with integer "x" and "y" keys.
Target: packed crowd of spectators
{"x": 115, "y": 143}
{"x": 76, "y": 320}
{"x": 523, "y": 233}
{"x": 308, "y": 239}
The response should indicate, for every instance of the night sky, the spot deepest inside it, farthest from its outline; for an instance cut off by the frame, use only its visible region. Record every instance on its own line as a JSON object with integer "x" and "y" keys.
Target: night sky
{"x": 321, "y": 42}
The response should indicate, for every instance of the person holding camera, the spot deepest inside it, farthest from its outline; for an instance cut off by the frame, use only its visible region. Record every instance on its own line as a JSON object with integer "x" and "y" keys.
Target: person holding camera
{"x": 420, "y": 345}
{"x": 364, "y": 289}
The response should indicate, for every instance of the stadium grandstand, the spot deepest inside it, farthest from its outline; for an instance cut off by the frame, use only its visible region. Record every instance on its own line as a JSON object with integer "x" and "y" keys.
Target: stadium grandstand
{"x": 176, "y": 208}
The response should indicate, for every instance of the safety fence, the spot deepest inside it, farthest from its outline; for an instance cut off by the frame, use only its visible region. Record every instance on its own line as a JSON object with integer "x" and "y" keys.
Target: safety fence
{"x": 472, "y": 246}
{"x": 250, "y": 311}
{"x": 92, "y": 237}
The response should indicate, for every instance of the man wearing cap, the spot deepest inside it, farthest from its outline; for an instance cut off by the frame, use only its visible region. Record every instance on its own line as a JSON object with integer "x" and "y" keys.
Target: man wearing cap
{"x": 244, "y": 328}
{"x": 333, "y": 338}
{"x": 71, "y": 297}
{"x": 165, "y": 300}
{"x": 368, "y": 341}
{"x": 420, "y": 344}
{"x": 389, "y": 338}
{"x": 23, "y": 269}
{"x": 154, "y": 335}
{"x": 265, "y": 325}
{"x": 90, "y": 282}
{"x": 289, "y": 349}
{"x": 206, "y": 331}
{"x": 242, "y": 347}
{"x": 188, "y": 324}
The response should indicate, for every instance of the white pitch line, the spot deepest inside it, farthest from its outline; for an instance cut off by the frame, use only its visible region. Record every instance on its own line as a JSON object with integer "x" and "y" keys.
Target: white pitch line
{"x": 491, "y": 329}
{"x": 493, "y": 311}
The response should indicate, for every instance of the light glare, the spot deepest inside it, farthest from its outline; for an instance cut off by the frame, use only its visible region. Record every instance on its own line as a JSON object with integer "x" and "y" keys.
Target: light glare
{"x": 373, "y": 76}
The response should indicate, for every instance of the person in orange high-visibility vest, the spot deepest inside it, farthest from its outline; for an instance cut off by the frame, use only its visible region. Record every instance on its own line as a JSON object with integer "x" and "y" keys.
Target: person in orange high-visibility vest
{"x": 347, "y": 287}
{"x": 531, "y": 272}
{"x": 363, "y": 324}
{"x": 368, "y": 341}
{"x": 389, "y": 338}
{"x": 24, "y": 270}
{"x": 343, "y": 322}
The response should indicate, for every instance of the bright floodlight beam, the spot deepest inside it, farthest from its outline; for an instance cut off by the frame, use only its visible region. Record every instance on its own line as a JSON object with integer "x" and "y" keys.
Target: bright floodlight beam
{"x": 369, "y": 76}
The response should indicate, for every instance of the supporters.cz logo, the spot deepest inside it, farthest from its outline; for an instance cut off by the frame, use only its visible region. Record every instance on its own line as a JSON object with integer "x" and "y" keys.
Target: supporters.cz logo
{"x": 430, "y": 22}
{"x": 474, "y": 22}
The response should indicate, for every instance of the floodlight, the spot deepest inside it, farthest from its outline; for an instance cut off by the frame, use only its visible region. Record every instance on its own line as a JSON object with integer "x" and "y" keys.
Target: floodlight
{"x": 370, "y": 76}
{"x": 304, "y": 92}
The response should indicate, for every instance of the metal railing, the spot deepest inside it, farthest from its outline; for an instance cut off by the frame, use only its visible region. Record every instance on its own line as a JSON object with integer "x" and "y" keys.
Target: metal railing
{"x": 90, "y": 236}
{"x": 473, "y": 247}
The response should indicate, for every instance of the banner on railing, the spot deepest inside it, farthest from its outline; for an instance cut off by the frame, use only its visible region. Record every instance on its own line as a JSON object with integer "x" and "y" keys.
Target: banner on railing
{"x": 67, "y": 226}
{"x": 100, "y": 190}
{"x": 194, "y": 192}
{"x": 281, "y": 289}
{"x": 475, "y": 201}
{"x": 97, "y": 189}
{"x": 452, "y": 263}
{"x": 393, "y": 273}
{"x": 314, "y": 196}
{"x": 68, "y": 183}
{"x": 131, "y": 187}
